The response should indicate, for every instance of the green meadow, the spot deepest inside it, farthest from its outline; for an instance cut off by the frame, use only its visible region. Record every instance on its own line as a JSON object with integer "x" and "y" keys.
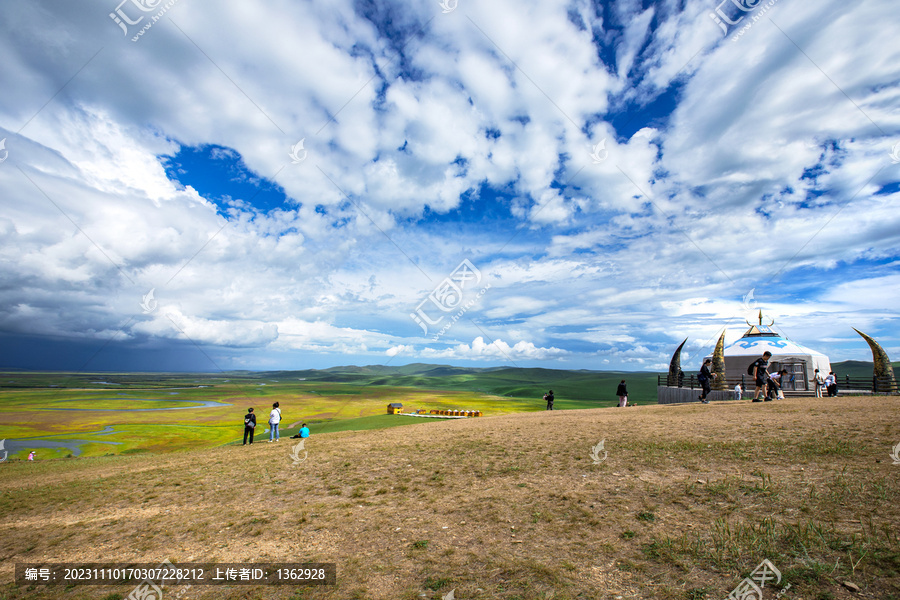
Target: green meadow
{"x": 65, "y": 406}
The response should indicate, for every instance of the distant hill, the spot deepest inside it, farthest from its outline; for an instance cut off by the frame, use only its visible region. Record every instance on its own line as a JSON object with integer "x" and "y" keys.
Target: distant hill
{"x": 858, "y": 368}
{"x": 584, "y": 385}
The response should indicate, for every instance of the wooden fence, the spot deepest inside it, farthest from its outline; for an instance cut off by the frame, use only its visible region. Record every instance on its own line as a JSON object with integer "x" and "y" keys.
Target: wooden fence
{"x": 688, "y": 390}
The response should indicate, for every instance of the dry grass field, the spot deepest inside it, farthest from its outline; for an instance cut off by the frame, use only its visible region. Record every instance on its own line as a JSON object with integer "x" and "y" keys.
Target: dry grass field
{"x": 688, "y": 500}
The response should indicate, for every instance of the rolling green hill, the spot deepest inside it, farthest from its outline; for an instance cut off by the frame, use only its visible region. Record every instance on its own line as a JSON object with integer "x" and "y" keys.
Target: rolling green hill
{"x": 857, "y": 368}
{"x": 584, "y": 388}
{"x": 575, "y": 388}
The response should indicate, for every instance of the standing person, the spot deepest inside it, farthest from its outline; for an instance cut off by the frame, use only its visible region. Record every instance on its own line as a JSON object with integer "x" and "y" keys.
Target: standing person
{"x": 829, "y": 380}
{"x": 760, "y": 368}
{"x": 705, "y": 377}
{"x": 274, "y": 420}
{"x": 832, "y": 387}
{"x": 622, "y": 393}
{"x": 738, "y": 392}
{"x": 680, "y": 377}
{"x": 549, "y": 398}
{"x": 249, "y": 425}
{"x": 818, "y": 382}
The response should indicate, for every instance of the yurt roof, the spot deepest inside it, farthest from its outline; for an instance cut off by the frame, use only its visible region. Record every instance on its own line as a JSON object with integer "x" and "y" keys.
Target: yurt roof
{"x": 760, "y": 338}
{"x": 776, "y": 344}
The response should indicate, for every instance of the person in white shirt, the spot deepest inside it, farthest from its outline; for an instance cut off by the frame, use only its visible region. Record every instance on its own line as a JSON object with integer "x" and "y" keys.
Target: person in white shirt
{"x": 738, "y": 392}
{"x": 818, "y": 382}
{"x": 274, "y": 420}
{"x": 775, "y": 384}
{"x": 831, "y": 384}
{"x": 829, "y": 381}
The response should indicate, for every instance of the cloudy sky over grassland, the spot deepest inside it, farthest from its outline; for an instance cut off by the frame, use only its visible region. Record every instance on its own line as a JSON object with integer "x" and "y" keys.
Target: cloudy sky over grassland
{"x": 619, "y": 175}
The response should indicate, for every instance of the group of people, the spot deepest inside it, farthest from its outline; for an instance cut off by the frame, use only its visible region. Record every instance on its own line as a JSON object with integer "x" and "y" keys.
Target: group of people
{"x": 768, "y": 386}
{"x": 274, "y": 422}
{"x": 766, "y": 383}
{"x": 826, "y": 385}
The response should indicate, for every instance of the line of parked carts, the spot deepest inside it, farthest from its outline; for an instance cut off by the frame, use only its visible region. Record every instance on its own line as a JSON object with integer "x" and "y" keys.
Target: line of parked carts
{"x": 452, "y": 413}
{"x": 395, "y": 408}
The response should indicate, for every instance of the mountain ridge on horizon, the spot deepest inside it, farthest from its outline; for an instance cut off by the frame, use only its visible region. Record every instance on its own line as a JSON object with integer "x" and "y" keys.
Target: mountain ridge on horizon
{"x": 421, "y": 369}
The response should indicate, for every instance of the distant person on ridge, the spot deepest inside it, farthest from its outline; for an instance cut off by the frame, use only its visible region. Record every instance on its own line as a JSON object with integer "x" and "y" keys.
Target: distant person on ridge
{"x": 274, "y": 420}
{"x": 760, "y": 373}
{"x": 549, "y": 398}
{"x": 622, "y": 393}
{"x": 705, "y": 377}
{"x": 249, "y": 425}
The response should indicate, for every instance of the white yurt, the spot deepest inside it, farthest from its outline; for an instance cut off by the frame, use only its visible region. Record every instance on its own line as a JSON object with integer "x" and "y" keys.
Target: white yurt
{"x": 800, "y": 361}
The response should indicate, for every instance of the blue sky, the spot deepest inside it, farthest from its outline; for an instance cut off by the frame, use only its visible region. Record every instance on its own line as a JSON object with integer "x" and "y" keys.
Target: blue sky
{"x": 559, "y": 184}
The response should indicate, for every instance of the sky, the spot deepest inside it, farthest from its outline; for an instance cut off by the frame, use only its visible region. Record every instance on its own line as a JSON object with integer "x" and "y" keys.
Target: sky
{"x": 206, "y": 186}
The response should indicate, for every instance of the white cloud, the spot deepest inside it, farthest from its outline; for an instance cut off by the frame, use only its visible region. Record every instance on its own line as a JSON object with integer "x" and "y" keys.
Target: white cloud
{"x": 498, "y": 350}
{"x": 767, "y": 175}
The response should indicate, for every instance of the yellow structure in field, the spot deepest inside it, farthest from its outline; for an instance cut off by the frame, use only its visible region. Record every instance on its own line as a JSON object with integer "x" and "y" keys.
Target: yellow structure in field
{"x": 456, "y": 413}
{"x": 395, "y": 408}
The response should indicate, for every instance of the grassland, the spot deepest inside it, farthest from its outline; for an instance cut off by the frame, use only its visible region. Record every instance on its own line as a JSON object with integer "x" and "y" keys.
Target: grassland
{"x": 78, "y": 405}
{"x": 688, "y": 500}
{"x": 62, "y": 406}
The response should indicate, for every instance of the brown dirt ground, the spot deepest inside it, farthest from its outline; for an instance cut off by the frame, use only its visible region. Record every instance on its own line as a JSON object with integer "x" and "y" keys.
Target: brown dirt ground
{"x": 688, "y": 501}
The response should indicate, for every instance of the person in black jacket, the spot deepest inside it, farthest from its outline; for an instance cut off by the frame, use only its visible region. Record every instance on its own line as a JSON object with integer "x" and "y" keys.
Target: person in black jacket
{"x": 761, "y": 375}
{"x": 705, "y": 378}
{"x": 549, "y": 398}
{"x": 622, "y": 393}
{"x": 249, "y": 425}
{"x": 832, "y": 387}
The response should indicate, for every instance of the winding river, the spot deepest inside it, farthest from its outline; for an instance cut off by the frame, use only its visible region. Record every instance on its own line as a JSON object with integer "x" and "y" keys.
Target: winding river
{"x": 53, "y": 442}
{"x": 199, "y": 404}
